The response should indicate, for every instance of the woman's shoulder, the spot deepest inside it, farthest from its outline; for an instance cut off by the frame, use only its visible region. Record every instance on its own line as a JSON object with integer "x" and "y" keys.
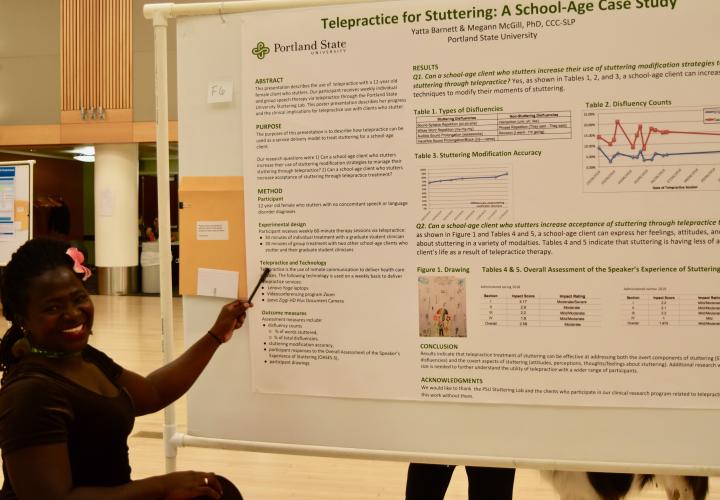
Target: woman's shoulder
{"x": 91, "y": 353}
{"x": 31, "y": 390}
{"x": 106, "y": 364}
{"x": 27, "y": 377}
{"x": 33, "y": 377}
{"x": 35, "y": 408}
{"x": 33, "y": 374}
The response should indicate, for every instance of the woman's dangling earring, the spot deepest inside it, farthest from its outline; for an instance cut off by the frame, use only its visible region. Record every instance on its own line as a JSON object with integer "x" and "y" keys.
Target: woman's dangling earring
{"x": 22, "y": 346}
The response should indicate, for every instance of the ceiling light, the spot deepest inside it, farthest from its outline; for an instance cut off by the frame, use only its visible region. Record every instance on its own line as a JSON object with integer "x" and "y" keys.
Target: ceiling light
{"x": 85, "y": 158}
{"x": 83, "y": 150}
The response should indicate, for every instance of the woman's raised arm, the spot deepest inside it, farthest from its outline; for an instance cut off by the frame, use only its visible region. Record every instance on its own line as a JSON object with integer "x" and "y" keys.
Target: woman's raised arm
{"x": 168, "y": 383}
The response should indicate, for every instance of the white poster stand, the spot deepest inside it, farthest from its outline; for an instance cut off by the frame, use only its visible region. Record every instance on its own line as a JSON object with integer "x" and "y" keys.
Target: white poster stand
{"x": 225, "y": 412}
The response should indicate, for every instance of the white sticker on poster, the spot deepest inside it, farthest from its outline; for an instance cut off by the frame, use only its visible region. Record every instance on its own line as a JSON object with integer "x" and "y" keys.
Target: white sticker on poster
{"x": 216, "y": 230}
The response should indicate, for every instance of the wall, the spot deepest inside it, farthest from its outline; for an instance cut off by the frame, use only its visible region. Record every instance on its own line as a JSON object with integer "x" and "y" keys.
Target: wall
{"x": 56, "y": 179}
{"x": 29, "y": 62}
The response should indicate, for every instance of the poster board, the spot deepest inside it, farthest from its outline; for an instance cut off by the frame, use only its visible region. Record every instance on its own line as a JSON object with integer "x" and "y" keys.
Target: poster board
{"x": 212, "y": 232}
{"x": 485, "y": 434}
{"x": 15, "y": 206}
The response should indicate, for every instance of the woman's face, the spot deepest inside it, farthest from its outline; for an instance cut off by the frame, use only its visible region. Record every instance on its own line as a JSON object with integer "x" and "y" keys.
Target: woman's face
{"x": 59, "y": 312}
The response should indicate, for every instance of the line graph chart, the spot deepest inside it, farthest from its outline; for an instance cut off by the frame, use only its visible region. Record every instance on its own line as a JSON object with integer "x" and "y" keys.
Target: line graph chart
{"x": 652, "y": 150}
{"x": 471, "y": 192}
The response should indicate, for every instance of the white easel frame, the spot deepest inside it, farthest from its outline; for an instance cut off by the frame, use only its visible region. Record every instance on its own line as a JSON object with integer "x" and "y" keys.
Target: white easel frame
{"x": 159, "y": 14}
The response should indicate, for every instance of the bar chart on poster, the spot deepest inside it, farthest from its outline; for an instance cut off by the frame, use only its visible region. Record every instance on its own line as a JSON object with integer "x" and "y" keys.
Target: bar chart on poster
{"x": 503, "y": 215}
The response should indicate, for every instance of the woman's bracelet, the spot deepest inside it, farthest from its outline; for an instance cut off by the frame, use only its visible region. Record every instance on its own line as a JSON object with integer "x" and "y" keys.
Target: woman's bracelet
{"x": 215, "y": 337}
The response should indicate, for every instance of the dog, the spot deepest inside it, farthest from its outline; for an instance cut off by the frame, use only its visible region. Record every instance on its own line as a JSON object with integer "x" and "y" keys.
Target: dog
{"x": 616, "y": 486}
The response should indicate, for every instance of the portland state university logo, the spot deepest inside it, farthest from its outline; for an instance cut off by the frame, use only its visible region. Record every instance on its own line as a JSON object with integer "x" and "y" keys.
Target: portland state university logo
{"x": 261, "y": 50}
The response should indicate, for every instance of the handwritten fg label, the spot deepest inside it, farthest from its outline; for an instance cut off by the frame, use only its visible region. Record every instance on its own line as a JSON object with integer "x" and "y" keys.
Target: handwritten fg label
{"x": 220, "y": 92}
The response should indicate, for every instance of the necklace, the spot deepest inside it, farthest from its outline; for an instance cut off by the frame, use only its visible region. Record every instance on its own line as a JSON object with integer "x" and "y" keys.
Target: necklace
{"x": 53, "y": 354}
{"x": 23, "y": 346}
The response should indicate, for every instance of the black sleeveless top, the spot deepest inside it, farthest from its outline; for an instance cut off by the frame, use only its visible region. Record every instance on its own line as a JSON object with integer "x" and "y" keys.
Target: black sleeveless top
{"x": 39, "y": 406}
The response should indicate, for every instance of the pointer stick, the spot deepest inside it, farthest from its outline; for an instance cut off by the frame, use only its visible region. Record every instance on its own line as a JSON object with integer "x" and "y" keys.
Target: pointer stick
{"x": 264, "y": 275}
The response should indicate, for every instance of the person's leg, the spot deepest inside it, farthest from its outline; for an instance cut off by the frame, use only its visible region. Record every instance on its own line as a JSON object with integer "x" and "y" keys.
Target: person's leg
{"x": 490, "y": 483}
{"x": 427, "y": 481}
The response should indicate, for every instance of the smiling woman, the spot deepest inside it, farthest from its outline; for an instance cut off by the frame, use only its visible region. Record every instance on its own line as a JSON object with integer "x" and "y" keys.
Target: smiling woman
{"x": 66, "y": 408}
{"x": 59, "y": 314}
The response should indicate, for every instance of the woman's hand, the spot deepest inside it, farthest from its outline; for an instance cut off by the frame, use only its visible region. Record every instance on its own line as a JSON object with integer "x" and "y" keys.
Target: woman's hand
{"x": 190, "y": 484}
{"x": 231, "y": 317}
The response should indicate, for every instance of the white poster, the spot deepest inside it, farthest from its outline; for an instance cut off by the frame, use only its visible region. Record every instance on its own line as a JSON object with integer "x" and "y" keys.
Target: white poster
{"x": 493, "y": 202}
{"x": 7, "y": 203}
